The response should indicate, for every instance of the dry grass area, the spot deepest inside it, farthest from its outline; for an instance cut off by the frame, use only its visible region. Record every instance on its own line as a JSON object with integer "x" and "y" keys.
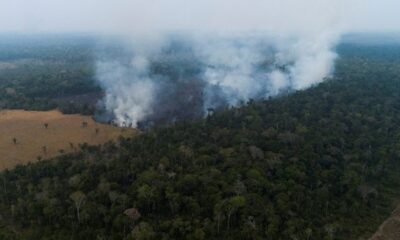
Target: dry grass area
{"x": 24, "y": 136}
{"x": 390, "y": 229}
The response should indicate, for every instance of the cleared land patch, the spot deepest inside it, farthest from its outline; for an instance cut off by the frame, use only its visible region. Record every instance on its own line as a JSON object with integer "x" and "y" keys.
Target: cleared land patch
{"x": 390, "y": 229}
{"x": 27, "y": 136}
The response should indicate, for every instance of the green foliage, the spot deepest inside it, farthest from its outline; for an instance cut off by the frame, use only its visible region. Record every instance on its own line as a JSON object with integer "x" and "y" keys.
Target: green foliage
{"x": 317, "y": 164}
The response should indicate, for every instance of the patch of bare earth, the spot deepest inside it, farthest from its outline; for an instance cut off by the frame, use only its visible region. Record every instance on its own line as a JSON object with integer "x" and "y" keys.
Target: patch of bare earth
{"x": 390, "y": 229}
{"x": 27, "y": 136}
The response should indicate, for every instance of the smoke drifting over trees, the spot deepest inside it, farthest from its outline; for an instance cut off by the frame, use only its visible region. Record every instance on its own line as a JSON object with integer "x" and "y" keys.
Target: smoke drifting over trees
{"x": 183, "y": 66}
{"x": 180, "y": 58}
{"x": 181, "y": 76}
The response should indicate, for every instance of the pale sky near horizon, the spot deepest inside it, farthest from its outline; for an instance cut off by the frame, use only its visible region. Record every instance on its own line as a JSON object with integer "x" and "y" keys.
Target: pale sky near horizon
{"x": 146, "y": 15}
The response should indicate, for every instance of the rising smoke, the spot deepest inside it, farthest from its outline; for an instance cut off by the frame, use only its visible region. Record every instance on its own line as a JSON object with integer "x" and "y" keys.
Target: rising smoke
{"x": 176, "y": 75}
{"x": 187, "y": 74}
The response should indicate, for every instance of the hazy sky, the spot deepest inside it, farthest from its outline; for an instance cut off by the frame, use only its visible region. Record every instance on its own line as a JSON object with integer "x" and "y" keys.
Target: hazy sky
{"x": 140, "y": 15}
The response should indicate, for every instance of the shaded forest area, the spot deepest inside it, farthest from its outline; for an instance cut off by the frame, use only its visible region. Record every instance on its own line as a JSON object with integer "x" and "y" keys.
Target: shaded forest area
{"x": 317, "y": 164}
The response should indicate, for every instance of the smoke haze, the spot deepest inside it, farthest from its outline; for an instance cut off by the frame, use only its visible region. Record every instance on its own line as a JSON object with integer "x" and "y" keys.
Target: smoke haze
{"x": 176, "y": 59}
{"x": 149, "y": 15}
{"x": 183, "y": 75}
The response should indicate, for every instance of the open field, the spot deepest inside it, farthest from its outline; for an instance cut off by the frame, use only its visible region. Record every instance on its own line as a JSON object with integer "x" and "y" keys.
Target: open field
{"x": 24, "y": 136}
{"x": 390, "y": 229}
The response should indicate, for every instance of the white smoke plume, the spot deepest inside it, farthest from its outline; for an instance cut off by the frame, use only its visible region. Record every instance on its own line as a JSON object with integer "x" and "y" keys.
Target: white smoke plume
{"x": 172, "y": 75}
{"x": 313, "y": 60}
{"x": 129, "y": 89}
{"x": 231, "y": 64}
{"x": 209, "y": 72}
{"x": 130, "y": 96}
{"x": 273, "y": 46}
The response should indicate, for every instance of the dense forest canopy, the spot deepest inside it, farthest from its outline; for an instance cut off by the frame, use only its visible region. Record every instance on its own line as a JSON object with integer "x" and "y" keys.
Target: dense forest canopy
{"x": 316, "y": 164}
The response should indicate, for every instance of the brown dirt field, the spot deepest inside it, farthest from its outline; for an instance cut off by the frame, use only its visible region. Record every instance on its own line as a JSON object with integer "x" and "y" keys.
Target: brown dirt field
{"x": 390, "y": 229}
{"x": 27, "y": 127}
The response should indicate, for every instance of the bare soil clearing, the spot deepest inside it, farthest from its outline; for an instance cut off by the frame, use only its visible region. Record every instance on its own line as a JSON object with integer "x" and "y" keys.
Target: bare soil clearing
{"x": 390, "y": 229}
{"x": 26, "y": 136}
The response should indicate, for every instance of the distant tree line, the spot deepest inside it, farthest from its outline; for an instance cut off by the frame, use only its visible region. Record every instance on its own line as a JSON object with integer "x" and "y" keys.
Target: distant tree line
{"x": 43, "y": 73}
